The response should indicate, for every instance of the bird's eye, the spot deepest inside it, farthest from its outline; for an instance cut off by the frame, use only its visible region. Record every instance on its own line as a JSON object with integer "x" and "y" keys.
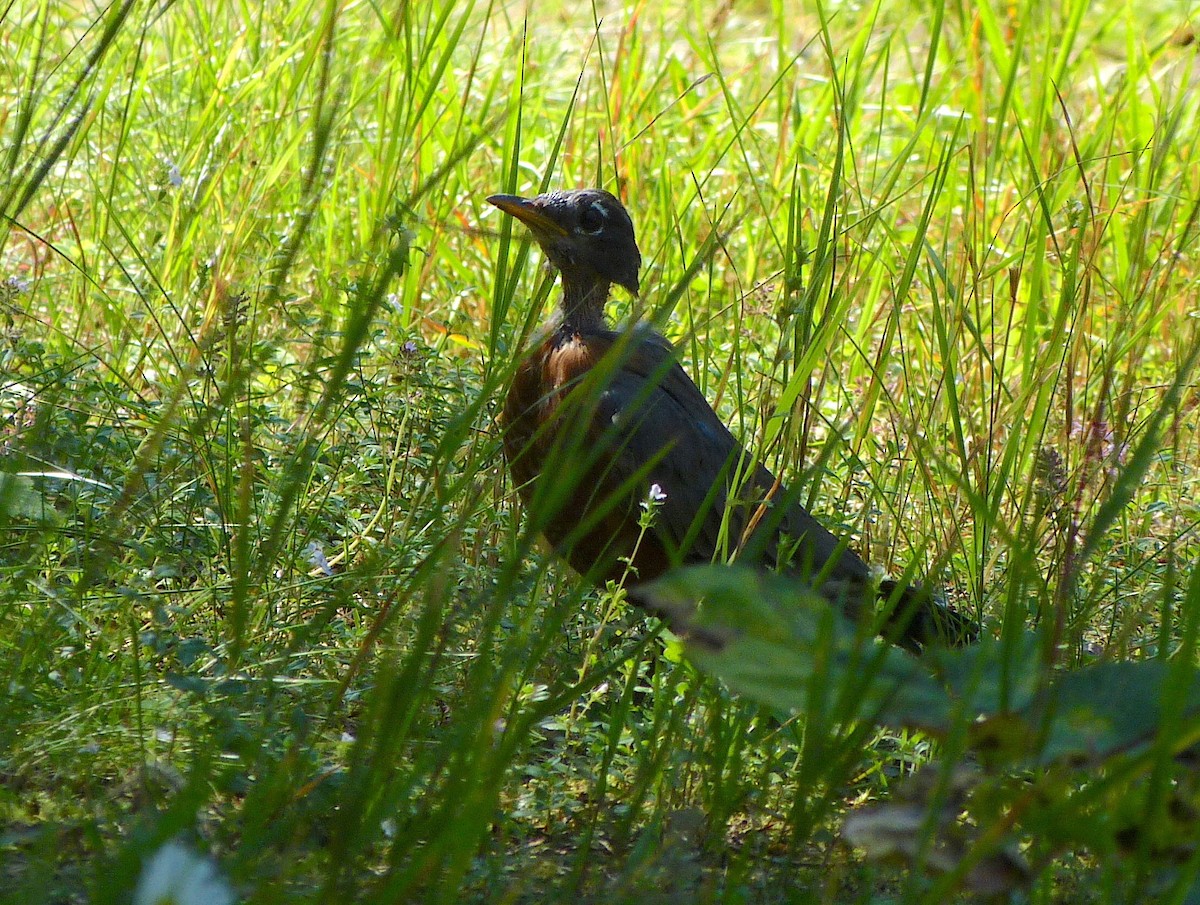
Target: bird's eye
{"x": 592, "y": 219}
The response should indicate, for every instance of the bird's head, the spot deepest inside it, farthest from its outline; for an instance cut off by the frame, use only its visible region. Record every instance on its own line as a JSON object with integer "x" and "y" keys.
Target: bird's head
{"x": 585, "y": 233}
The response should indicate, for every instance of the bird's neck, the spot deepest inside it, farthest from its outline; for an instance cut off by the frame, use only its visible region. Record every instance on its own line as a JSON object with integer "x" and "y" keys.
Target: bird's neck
{"x": 582, "y": 305}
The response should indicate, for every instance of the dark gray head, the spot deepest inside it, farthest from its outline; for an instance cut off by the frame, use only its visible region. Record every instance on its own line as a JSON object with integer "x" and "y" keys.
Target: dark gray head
{"x": 585, "y": 233}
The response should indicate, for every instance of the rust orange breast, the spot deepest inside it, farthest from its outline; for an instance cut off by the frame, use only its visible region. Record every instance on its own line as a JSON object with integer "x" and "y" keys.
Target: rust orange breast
{"x": 550, "y": 443}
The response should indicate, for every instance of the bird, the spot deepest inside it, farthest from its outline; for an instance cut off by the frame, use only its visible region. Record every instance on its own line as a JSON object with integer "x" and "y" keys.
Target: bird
{"x": 626, "y": 468}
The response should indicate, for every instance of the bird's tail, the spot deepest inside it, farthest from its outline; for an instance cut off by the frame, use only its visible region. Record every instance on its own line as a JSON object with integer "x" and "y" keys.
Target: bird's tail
{"x": 917, "y": 619}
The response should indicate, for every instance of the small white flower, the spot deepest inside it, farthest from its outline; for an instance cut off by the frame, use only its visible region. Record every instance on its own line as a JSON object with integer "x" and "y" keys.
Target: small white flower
{"x": 657, "y": 495}
{"x": 174, "y": 176}
{"x": 316, "y": 556}
{"x": 176, "y": 875}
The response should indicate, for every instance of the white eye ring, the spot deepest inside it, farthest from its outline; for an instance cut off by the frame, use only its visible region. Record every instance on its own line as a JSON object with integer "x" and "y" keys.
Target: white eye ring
{"x": 599, "y": 209}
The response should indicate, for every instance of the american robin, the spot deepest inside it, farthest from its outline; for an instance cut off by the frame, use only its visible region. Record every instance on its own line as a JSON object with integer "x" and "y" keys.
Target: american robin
{"x": 623, "y": 464}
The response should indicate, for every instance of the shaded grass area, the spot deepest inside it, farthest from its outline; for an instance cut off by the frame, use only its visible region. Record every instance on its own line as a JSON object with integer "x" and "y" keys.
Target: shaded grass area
{"x": 264, "y": 582}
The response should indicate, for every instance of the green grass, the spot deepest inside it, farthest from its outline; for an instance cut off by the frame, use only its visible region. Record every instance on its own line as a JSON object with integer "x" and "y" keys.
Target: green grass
{"x": 937, "y": 264}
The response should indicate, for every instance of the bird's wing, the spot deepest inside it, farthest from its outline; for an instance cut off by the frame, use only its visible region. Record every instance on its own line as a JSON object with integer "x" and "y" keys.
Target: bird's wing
{"x": 662, "y": 433}
{"x": 661, "y": 430}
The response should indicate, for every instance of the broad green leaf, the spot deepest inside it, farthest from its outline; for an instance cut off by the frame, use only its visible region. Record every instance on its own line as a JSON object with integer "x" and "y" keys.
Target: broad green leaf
{"x": 776, "y": 641}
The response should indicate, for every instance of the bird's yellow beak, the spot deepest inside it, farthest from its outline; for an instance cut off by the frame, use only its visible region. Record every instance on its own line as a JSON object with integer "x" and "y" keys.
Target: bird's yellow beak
{"x": 528, "y": 213}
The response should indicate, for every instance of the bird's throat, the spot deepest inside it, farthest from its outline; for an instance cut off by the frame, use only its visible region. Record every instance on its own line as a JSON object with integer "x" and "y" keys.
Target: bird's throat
{"x": 582, "y": 305}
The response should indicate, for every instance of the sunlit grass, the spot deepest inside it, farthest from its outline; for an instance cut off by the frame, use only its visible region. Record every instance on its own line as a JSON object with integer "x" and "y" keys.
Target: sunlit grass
{"x": 263, "y": 577}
